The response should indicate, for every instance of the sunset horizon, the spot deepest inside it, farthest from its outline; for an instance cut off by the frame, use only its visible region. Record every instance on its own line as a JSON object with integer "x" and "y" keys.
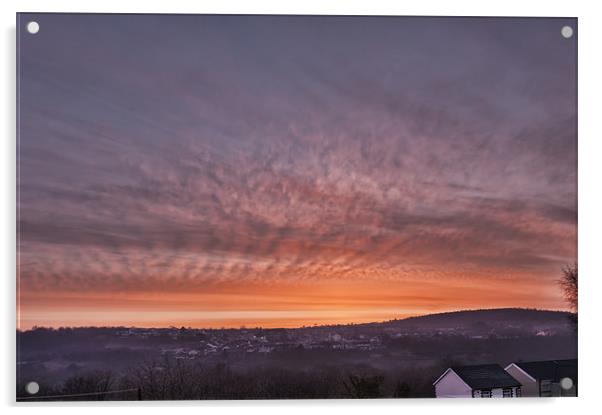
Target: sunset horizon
{"x": 252, "y": 179}
{"x": 268, "y": 326}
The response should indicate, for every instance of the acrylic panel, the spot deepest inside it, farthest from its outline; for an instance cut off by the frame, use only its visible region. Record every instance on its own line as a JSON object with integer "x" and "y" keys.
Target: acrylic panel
{"x": 291, "y": 207}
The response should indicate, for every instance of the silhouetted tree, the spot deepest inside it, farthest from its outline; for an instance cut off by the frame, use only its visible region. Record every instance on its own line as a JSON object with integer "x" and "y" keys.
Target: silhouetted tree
{"x": 166, "y": 379}
{"x": 92, "y": 382}
{"x": 402, "y": 390}
{"x": 569, "y": 285}
{"x": 362, "y": 387}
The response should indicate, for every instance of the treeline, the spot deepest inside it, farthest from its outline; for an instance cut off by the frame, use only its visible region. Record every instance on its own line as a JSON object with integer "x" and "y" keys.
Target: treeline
{"x": 171, "y": 379}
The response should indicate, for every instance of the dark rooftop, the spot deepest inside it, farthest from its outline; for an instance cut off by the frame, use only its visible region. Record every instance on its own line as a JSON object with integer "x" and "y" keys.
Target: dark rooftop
{"x": 485, "y": 376}
{"x": 553, "y": 370}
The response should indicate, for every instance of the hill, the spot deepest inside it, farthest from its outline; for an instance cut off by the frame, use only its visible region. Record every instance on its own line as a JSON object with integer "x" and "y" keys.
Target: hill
{"x": 473, "y": 320}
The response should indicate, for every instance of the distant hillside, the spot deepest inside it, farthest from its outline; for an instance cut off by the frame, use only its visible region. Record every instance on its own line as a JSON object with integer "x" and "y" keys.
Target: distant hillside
{"x": 517, "y": 317}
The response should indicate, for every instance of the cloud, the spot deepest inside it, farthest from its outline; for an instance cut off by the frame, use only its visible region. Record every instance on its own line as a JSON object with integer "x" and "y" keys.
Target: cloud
{"x": 219, "y": 165}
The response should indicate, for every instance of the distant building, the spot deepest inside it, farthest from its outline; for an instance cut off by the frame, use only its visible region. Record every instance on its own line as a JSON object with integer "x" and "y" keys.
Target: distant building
{"x": 546, "y": 378}
{"x": 478, "y": 381}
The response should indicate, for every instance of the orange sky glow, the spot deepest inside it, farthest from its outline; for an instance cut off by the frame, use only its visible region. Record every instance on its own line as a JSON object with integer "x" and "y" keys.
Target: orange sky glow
{"x": 345, "y": 170}
{"x": 281, "y": 305}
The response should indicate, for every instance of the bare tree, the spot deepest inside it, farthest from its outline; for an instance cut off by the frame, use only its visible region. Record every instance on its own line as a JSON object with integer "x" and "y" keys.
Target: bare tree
{"x": 363, "y": 387}
{"x": 568, "y": 283}
{"x": 93, "y": 382}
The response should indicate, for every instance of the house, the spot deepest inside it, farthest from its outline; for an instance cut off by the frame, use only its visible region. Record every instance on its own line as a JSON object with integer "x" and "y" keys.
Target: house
{"x": 546, "y": 378}
{"x": 478, "y": 381}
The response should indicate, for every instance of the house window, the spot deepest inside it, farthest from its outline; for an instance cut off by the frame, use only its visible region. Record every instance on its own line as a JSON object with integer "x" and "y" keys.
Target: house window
{"x": 507, "y": 393}
{"x": 545, "y": 388}
{"x": 486, "y": 393}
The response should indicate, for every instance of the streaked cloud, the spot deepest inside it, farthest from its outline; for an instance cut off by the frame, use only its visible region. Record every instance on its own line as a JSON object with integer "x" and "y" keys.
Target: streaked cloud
{"x": 206, "y": 155}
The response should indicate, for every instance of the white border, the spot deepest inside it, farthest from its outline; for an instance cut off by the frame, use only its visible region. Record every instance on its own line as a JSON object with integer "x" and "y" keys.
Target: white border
{"x": 590, "y": 201}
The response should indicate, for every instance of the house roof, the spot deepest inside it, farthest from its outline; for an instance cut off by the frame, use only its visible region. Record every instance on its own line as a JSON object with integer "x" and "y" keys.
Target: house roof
{"x": 485, "y": 376}
{"x": 553, "y": 370}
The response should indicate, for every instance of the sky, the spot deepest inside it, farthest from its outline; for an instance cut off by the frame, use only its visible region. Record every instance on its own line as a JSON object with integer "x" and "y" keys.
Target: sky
{"x": 281, "y": 171}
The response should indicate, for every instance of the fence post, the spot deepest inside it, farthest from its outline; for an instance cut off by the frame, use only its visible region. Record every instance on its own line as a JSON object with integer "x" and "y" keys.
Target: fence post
{"x": 139, "y": 394}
